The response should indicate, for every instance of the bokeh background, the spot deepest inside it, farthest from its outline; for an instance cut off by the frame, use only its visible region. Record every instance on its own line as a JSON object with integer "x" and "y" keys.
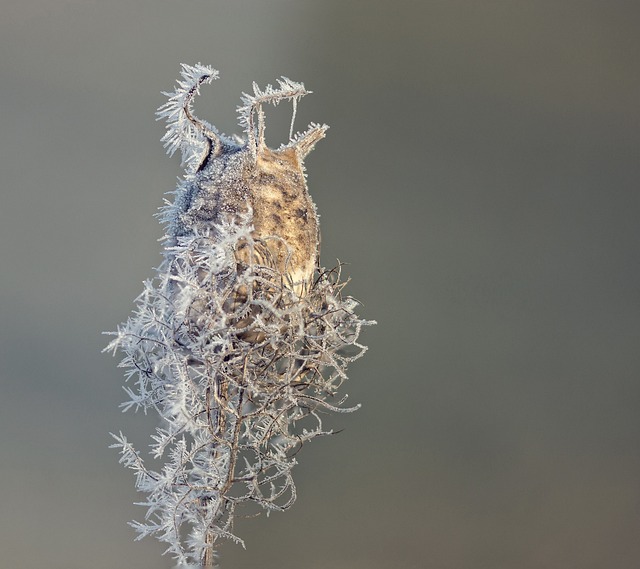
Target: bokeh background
{"x": 481, "y": 178}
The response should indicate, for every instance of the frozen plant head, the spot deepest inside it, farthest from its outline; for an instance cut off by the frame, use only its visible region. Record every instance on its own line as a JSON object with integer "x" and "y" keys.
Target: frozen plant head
{"x": 230, "y": 178}
{"x": 241, "y": 341}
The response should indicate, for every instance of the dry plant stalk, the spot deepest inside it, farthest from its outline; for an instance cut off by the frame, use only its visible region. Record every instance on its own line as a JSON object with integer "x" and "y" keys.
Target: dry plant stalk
{"x": 241, "y": 341}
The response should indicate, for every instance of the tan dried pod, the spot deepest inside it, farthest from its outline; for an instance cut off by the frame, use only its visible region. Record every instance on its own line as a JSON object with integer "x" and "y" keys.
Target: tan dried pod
{"x": 231, "y": 179}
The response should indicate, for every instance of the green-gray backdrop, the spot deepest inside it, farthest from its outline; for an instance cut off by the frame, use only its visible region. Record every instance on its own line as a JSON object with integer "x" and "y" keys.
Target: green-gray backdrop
{"x": 481, "y": 178}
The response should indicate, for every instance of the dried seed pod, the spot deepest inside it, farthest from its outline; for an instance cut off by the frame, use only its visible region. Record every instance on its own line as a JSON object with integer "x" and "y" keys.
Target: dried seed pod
{"x": 228, "y": 179}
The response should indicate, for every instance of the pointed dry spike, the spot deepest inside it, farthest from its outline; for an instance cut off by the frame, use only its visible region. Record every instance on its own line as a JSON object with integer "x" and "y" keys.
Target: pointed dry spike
{"x": 307, "y": 141}
{"x": 250, "y": 129}
{"x": 185, "y": 131}
{"x": 261, "y": 125}
{"x": 293, "y": 116}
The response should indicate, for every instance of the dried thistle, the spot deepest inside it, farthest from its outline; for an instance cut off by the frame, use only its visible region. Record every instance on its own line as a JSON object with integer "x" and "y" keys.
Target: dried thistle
{"x": 241, "y": 341}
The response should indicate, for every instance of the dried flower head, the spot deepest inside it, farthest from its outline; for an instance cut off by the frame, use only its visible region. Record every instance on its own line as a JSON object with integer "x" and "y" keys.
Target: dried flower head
{"x": 241, "y": 341}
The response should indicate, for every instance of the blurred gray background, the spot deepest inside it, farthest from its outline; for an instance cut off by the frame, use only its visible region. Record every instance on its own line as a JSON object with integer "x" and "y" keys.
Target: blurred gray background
{"x": 481, "y": 178}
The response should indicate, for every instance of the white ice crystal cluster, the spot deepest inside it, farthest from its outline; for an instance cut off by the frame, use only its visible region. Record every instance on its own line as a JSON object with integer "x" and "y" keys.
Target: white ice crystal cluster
{"x": 240, "y": 369}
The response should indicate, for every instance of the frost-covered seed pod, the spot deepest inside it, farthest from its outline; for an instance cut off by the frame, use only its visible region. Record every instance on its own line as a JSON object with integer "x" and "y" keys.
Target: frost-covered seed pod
{"x": 242, "y": 340}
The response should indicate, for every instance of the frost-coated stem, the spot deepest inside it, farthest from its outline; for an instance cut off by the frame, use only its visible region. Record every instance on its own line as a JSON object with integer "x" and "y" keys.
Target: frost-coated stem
{"x": 209, "y": 554}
